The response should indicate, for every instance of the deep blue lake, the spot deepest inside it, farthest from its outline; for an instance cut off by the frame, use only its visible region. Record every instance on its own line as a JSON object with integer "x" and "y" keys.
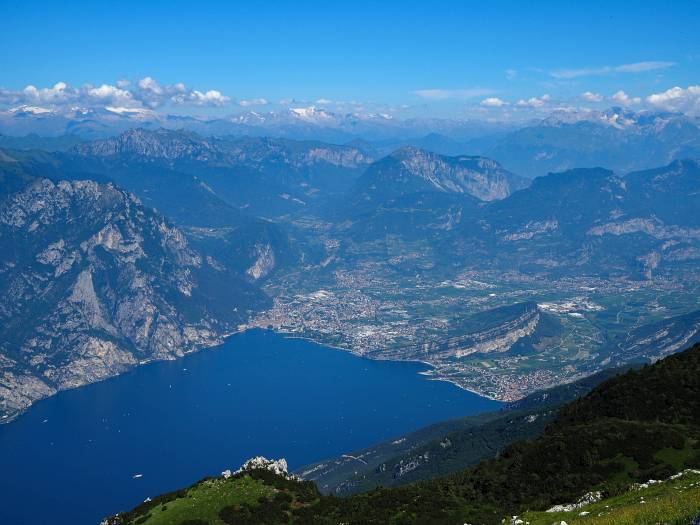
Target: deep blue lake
{"x": 70, "y": 460}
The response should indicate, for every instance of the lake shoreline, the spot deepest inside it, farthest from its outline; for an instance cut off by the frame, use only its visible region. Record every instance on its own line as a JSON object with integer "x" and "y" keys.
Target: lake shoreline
{"x": 221, "y": 340}
{"x": 172, "y": 422}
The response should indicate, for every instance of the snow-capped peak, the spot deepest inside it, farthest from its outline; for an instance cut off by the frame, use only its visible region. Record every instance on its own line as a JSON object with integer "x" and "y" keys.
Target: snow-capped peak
{"x": 34, "y": 110}
{"x": 616, "y": 117}
{"x": 311, "y": 114}
{"x": 133, "y": 111}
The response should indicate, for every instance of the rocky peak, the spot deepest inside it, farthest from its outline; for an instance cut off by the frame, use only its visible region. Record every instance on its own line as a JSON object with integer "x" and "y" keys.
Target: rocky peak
{"x": 257, "y": 152}
{"x": 412, "y": 169}
{"x": 157, "y": 144}
{"x": 261, "y": 150}
{"x": 278, "y": 466}
{"x": 93, "y": 283}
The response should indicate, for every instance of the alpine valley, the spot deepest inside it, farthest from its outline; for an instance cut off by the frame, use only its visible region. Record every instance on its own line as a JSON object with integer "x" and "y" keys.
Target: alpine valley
{"x": 504, "y": 259}
{"x": 350, "y": 263}
{"x": 156, "y": 242}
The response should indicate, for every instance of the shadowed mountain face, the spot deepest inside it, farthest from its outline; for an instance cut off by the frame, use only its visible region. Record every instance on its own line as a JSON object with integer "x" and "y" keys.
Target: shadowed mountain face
{"x": 618, "y": 138}
{"x": 94, "y": 283}
{"x": 264, "y": 177}
{"x": 655, "y": 340}
{"x": 582, "y": 221}
{"x": 591, "y": 220}
{"x": 417, "y": 195}
{"x": 411, "y": 170}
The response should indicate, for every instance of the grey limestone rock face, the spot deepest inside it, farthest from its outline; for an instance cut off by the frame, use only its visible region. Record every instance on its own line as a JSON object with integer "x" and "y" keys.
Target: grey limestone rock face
{"x": 411, "y": 169}
{"x": 93, "y": 283}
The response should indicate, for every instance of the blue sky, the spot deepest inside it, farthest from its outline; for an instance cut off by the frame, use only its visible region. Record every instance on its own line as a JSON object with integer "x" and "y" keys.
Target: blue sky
{"x": 421, "y": 57}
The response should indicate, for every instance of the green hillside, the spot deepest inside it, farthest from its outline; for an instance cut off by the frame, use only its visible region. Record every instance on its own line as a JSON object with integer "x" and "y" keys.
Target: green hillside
{"x": 672, "y": 501}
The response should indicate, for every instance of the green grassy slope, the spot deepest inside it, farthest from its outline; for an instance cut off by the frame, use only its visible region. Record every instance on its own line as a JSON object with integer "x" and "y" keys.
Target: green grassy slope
{"x": 254, "y": 497}
{"x": 673, "y": 502}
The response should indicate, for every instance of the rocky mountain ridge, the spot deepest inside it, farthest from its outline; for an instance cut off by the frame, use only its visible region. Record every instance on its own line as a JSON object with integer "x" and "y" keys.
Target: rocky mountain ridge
{"x": 267, "y": 177}
{"x": 94, "y": 283}
{"x": 411, "y": 170}
{"x": 597, "y": 219}
{"x": 496, "y": 330}
{"x": 163, "y": 143}
{"x": 618, "y": 139}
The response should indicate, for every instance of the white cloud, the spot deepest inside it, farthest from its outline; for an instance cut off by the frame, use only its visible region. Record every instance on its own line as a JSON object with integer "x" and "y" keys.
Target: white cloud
{"x": 636, "y": 67}
{"x": 445, "y": 94}
{"x": 677, "y": 99}
{"x": 324, "y": 101}
{"x": 147, "y": 93}
{"x": 253, "y": 102}
{"x": 148, "y": 84}
{"x": 511, "y": 74}
{"x": 642, "y": 67}
{"x": 111, "y": 95}
{"x": 624, "y": 99}
{"x": 133, "y": 111}
{"x": 210, "y": 98}
{"x": 153, "y": 95}
{"x": 592, "y": 97}
{"x": 59, "y": 92}
{"x": 493, "y": 102}
{"x": 535, "y": 102}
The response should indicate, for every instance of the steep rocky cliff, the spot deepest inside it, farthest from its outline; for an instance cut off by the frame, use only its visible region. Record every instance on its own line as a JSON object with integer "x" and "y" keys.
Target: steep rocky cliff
{"x": 411, "y": 170}
{"x": 93, "y": 283}
{"x": 498, "y": 330}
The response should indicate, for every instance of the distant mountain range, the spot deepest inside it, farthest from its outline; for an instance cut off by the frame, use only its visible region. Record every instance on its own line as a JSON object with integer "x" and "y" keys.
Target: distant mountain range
{"x": 618, "y": 138}
{"x": 306, "y": 123}
{"x": 263, "y": 176}
{"x": 587, "y": 220}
